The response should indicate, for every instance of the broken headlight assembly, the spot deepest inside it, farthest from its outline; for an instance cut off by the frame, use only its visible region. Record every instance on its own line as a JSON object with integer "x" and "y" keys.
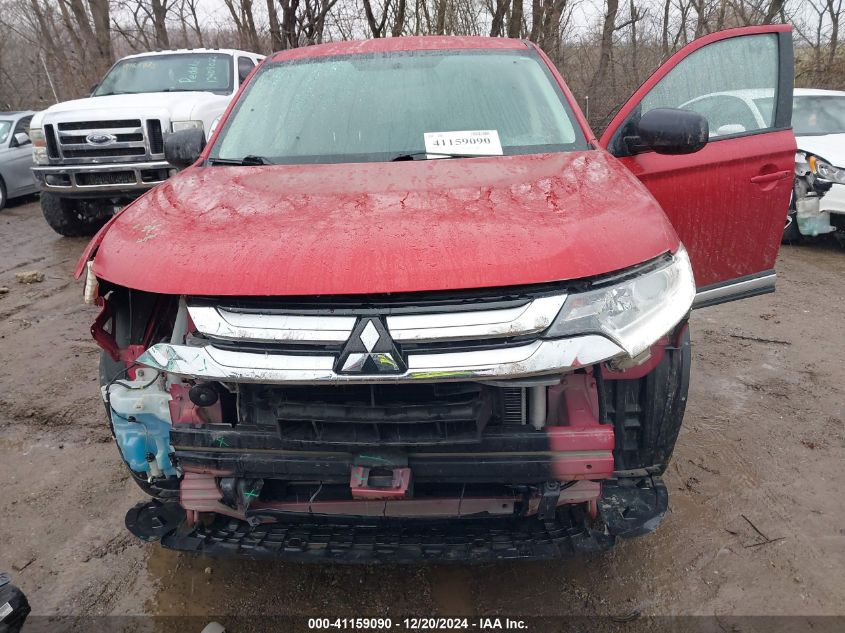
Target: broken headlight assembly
{"x": 825, "y": 171}
{"x": 634, "y": 313}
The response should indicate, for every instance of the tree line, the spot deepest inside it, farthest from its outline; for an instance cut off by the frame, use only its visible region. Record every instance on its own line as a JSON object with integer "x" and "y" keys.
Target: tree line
{"x": 54, "y": 50}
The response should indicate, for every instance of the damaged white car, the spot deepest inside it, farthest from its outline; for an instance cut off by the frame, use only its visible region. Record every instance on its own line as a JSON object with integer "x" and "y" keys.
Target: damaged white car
{"x": 818, "y": 118}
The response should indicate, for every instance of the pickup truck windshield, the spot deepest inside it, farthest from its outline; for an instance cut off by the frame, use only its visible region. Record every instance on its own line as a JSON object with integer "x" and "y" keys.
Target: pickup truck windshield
{"x": 818, "y": 115}
{"x": 379, "y": 107}
{"x": 183, "y": 72}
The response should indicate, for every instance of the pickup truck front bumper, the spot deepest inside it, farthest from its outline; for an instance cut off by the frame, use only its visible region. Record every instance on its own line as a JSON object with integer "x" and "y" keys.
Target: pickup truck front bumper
{"x": 112, "y": 180}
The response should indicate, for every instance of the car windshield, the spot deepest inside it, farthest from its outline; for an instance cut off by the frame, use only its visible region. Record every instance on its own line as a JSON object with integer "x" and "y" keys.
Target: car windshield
{"x": 188, "y": 72}
{"x": 5, "y": 128}
{"x": 816, "y": 115}
{"x": 395, "y": 106}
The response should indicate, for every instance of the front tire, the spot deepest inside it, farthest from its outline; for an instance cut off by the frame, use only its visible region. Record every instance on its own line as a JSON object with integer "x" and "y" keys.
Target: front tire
{"x": 70, "y": 218}
{"x": 2, "y": 194}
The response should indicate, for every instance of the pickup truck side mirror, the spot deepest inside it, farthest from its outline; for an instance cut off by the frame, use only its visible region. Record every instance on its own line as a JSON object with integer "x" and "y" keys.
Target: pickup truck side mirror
{"x": 183, "y": 148}
{"x": 20, "y": 139}
{"x": 672, "y": 131}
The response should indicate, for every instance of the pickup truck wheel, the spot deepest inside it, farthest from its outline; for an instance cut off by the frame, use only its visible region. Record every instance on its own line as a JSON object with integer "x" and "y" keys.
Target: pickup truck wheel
{"x": 2, "y": 194}
{"x": 69, "y": 217}
{"x": 647, "y": 412}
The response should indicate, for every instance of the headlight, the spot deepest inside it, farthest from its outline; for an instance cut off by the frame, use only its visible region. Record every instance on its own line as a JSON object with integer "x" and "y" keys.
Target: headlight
{"x": 634, "y": 313}
{"x": 824, "y": 170}
{"x": 175, "y": 126}
{"x": 39, "y": 146}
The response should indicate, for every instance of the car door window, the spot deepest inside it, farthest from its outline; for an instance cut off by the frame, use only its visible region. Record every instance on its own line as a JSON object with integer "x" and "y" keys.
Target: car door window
{"x": 744, "y": 67}
{"x": 23, "y": 125}
{"x": 726, "y": 114}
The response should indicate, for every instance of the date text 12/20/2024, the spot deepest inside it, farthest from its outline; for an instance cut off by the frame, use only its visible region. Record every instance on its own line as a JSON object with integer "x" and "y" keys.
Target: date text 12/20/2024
{"x": 417, "y": 624}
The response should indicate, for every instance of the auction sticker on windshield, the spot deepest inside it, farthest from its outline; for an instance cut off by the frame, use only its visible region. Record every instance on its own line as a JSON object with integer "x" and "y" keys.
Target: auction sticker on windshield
{"x": 469, "y": 143}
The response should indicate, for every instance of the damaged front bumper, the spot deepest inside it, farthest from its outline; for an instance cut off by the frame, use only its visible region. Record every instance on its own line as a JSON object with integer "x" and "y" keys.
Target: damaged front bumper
{"x": 462, "y": 428}
{"x": 628, "y": 508}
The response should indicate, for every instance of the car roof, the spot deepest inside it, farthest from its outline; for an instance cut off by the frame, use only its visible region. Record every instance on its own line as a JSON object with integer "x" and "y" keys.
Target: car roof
{"x": 16, "y": 113}
{"x": 817, "y": 92}
{"x": 401, "y": 44}
{"x": 176, "y": 51}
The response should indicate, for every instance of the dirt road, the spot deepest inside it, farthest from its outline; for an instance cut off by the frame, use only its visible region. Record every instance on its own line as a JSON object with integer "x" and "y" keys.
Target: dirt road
{"x": 762, "y": 452}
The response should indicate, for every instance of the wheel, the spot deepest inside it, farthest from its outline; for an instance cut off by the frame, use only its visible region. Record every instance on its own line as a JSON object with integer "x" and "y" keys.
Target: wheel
{"x": 2, "y": 194}
{"x": 71, "y": 218}
{"x": 647, "y": 412}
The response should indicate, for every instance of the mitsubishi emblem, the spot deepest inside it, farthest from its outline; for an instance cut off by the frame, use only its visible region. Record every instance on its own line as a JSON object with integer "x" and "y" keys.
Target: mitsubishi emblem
{"x": 370, "y": 350}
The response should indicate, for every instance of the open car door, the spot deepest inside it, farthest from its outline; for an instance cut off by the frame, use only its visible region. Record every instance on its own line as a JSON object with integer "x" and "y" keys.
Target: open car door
{"x": 728, "y": 201}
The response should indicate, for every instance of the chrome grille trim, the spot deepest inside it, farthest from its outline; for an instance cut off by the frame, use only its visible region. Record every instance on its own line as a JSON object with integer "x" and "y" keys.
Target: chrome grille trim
{"x": 532, "y": 317}
{"x": 69, "y": 132}
{"x": 247, "y": 326}
{"x": 535, "y": 358}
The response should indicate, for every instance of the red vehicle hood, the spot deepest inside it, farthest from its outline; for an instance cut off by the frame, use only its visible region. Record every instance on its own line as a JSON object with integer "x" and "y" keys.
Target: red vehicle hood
{"x": 385, "y": 227}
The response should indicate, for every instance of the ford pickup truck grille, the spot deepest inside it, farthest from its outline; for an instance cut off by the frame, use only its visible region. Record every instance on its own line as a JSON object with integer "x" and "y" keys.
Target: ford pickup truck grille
{"x": 115, "y": 140}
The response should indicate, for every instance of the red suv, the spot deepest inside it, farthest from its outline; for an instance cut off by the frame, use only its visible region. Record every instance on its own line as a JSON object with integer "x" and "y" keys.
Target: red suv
{"x": 406, "y": 305}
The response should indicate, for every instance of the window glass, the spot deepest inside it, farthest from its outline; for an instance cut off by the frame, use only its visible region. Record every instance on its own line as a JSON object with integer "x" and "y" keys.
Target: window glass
{"x": 245, "y": 66}
{"x": 745, "y": 68}
{"x": 375, "y": 107}
{"x": 184, "y": 72}
{"x": 23, "y": 125}
{"x": 818, "y": 115}
{"x": 726, "y": 114}
{"x": 5, "y": 128}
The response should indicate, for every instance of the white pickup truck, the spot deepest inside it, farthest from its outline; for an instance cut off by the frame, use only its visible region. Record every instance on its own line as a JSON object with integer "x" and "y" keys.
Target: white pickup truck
{"x": 93, "y": 156}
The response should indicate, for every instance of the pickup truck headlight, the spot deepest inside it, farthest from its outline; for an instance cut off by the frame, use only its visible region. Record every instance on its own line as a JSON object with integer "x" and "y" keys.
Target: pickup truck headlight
{"x": 176, "y": 126}
{"x": 824, "y": 170}
{"x": 634, "y": 313}
{"x": 39, "y": 146}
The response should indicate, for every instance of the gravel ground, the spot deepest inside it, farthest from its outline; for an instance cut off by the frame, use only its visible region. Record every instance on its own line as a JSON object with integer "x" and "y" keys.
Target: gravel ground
{"x": 761, "y": 453}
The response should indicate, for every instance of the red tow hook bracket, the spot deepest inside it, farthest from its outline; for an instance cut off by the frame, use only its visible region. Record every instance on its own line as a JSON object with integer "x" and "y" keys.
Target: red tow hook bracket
{"x": 379, "y": 483}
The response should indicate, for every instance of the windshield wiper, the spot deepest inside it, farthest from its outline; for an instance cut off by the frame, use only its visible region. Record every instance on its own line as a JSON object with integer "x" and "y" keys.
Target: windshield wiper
{"x": 435, "y": 155}
{"x": 115, "y": 92}
{"x": 247, "y": 161}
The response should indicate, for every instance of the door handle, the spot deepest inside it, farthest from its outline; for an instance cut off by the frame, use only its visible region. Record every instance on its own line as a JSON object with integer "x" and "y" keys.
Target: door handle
{"x": 772, "y": 177}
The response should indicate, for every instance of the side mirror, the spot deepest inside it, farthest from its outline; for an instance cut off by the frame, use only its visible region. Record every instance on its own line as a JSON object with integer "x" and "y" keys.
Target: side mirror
{"x": 673, "y": 131}
{"x": 183, "y": 148}
{"x": 20, "y": 139}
